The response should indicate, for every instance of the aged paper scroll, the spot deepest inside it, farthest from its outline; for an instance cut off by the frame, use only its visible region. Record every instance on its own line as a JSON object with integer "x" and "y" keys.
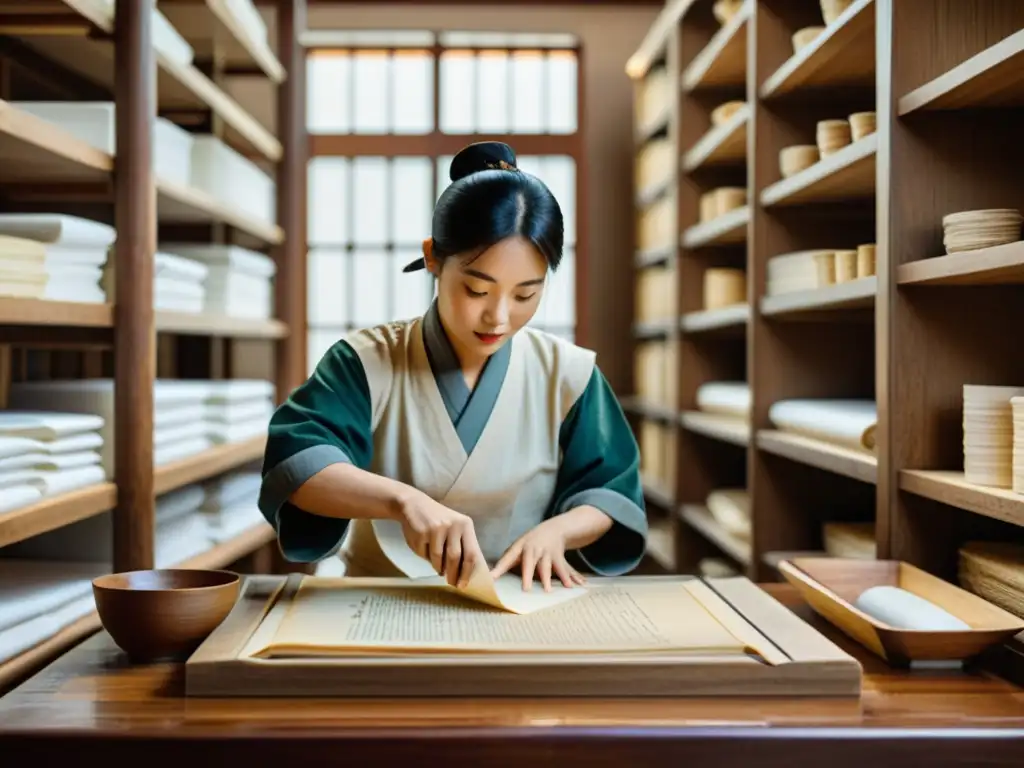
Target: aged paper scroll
{"x": 346, "y": 617}
{"x": 505, "y": 593}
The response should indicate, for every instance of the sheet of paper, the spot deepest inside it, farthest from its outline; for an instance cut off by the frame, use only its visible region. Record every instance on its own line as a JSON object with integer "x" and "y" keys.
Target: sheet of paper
{"x": 506, "y": 592}
{"x": 344, "y": 617}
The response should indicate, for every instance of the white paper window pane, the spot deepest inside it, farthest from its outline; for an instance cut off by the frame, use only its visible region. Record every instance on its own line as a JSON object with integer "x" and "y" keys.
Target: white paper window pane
{"x": 318, "y": 341}
{"x": 561, "y": 92}
{"x": 412, "y": 92}
{"x": 373, "y": 275}
{"x": 327, "y": 93}
{"x": 370, "y": 188}
{"x": 561, "y": 292}
{"x": 328, "y": 210}
{"x": 528, "y": 89}
{"x": 492, "y": 92}
{"x": 532, "y": 164}
{"x": 457, "y": 78}
{"x": 327, "y": 287}
{"x": 559, "y": 173}
{"x": 444, "y": 164}
{"x": 413, "y": 291}
{"x": 370, "y": 75}
{"x": 411, "y": 207}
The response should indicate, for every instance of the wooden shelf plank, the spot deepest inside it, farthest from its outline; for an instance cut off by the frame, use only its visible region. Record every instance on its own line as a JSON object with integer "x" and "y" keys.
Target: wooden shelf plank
{"x": 33, "y": 150}
{"x": 652, "y": 411}
{"x": 34, "y": 659}
{"x": 55, "y": 512}
{"x": 728, "y": 429}
{"x": 728, "y": 229}
{"x": 855, "y": 294}
{"x": 219, "y": 325}
{"x": 772, "y": 559}
{"x": 732, "y": 318}
{"x": 950, "y": 487}
{"x": 994, "y": 77}
{"x": 701, "y": 520}
{"x": 207, "y": 464}
{"x": 846, "y": 175}
{"x": 999, "y": 265}
{"x": 842, "y": 55}
{"x": 210, "y": 24}
{"x": 818, "y": 453}
{"x": 657, "y": 124}
{"x": 654, "y": 256}
{"x": 176, "y": 204}
{"x": 723, "y": 144}
{"x": 230, "y": 551}
{"x": 657, "y": 493}
{"x": 724, "y": 59}
{"x": 654, "y": 192}
{"x": 652, "y": 330}
{"x": 69, "y": 314}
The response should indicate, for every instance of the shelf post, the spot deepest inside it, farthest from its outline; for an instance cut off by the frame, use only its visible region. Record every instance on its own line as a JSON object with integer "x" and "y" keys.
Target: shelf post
{"x": 134, "y": 331}
{"x": 290, "y": 283}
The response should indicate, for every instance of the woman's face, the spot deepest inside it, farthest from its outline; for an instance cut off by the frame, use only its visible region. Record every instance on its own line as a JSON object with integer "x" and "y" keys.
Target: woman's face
{"x": 484, "y": 301}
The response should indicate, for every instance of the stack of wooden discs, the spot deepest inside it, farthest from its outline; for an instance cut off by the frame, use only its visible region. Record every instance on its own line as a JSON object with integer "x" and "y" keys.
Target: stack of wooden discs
{"x": 1017, "y": 414}
{"x": 724, "y": 287}
{"x": 988, "y": 434}
{"x": 720, "y": 201}
{"x": 832, "y": 136}
{"x": 971, "y": 230}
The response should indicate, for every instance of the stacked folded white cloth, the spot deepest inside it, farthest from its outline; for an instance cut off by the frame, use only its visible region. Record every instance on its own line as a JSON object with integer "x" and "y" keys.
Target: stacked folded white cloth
{"x": 725, "y": 398}
{"x": 180, "y": 429}
{"x": 40, "y": 598}
{"x": 231, "y": 505}
{"x": 178, "y": 283}
{"x": 238, "y": 409}
{"x": 239, "y": 282}
{"x": 53, "y": 256}
{"x": 45, "y": 454}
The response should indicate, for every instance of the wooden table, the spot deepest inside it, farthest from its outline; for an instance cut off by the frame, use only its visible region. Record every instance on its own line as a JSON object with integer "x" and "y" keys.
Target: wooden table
{"x": 91, "y": 704}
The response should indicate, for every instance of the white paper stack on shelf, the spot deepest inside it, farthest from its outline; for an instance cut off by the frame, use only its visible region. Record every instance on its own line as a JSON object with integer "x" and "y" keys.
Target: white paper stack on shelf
{"x": 239, "y": 282}
{"x": 47, "y": 454}
{"x": 231, "y": 505}
{"x": 1017, "y": 406}
{"x": 988, "y": 434}
{"x": 232, "y": 179}
{"x": 180, "y": 430}
{"x": 847, "y": 422}
{"x": 797, "y": 271}
{"x": 726, "y": 398}
{"x": 730, "y": 507}
{"x": 68, "y": 265}
{"x": 94, "y": 123}
{"x": 178, "y": 283}
{"x": 39, "y": 599}
{"x": 238, "y": 409}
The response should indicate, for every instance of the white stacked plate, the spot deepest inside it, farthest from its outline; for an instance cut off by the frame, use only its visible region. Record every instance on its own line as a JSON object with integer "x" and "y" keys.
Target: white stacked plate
{"x": 1017, "y": 406}
{"x": 971, "y": 230}
{"x": 988, "y": 434}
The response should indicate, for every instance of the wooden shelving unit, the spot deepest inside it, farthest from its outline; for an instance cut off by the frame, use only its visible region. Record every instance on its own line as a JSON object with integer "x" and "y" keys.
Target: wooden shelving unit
{"x": 946, "y": 83}
{"x": 74, "y": 50}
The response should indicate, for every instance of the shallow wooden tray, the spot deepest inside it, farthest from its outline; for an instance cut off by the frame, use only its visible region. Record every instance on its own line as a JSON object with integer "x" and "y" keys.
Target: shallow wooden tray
{"x": 831, "y": 587}
{"x": 805, "y": 662}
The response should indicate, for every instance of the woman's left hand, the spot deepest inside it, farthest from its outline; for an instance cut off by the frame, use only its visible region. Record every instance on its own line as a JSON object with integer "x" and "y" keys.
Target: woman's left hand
{"x": 541, "y": 551}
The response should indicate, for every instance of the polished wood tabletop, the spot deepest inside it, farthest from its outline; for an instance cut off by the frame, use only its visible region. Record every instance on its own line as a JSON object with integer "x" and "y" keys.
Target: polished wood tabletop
{"x": 92, "y": 703}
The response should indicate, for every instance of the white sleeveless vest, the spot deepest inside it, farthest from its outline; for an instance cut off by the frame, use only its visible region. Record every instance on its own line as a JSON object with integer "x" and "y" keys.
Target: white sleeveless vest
{"x": 507, "y": 483}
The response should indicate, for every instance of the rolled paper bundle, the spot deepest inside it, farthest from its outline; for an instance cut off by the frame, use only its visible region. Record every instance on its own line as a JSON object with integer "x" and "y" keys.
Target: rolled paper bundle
{"x": 805, "y": 36}
{"x": 862, "y": 124}
{"x": 833, "y": 9}
{"x": 846, "y": 266}
{"x": 724, "y": 287}
{"x": 901, "y": 609}
{"x": 723, "y": 112}
{"x": 730, "y": 198}
{"x": 832, "y": 135}
{"x": 866, "y": 260}
{"x": 826, "y": 268}
{"x": 797, "y": 158}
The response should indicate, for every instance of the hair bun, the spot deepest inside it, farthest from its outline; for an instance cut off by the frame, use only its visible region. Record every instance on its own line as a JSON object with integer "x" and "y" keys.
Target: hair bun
{"x": 482, "y": 156}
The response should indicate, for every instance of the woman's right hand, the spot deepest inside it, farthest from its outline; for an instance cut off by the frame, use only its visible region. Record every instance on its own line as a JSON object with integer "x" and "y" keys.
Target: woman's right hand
{"x": 443, "y": 536}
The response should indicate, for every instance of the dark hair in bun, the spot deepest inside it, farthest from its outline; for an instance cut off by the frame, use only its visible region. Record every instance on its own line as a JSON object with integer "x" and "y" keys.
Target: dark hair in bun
{"x": 490, "y": 200}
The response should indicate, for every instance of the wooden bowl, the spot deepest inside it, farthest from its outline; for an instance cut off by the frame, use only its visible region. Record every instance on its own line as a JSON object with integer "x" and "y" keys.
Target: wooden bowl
{"x": 831, "y": 587}
{"x": 797, "y": 158}
{"x": 805, "y": 37}
{"x": 163, "y": 614}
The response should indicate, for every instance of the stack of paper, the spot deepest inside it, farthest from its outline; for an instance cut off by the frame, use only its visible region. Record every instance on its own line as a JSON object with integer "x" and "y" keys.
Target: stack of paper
{"x": 180, "y": 430}
{"x": 178, "y": 283}
{"x": 62, "y": 262}
{"x": 39, "y": 599}
{"x": 46, "y": 454}
{"x": 230, "y": 505}
{"x": 238, "y": 409}
{"x": 239, "y": 282}
{"x": 988, "y": 434}
{"x": 799, "y": 271}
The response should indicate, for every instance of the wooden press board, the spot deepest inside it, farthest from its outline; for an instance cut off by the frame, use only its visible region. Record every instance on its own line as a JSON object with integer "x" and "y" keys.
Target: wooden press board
{"x": 804, "y": 662}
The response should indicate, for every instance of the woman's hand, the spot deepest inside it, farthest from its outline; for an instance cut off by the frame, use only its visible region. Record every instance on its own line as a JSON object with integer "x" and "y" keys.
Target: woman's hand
{"x": 443, "y": 536}
{"x": 541, "y": 550}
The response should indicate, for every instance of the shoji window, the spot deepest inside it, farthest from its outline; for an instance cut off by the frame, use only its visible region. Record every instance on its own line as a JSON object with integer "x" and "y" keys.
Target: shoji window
{"x": 387, "y": 111}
